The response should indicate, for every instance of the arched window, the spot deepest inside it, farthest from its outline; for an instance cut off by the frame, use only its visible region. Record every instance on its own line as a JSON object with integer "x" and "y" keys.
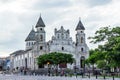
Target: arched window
{"x": 28, "y": 43}
{"x": 41, "y": 29}
{"x": 62, "y": 48}
{"x": 82, "y": 49}
{"x": 81, "y": 39}
{"x": 41, "y": 47}
{"x": 41, "y": 37}
{"x": 62, "y": 35}
{"x": 82, "y": 63}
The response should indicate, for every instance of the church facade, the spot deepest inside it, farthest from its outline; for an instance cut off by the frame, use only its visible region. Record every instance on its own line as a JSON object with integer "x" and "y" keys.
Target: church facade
{"x": 61, "y": 41}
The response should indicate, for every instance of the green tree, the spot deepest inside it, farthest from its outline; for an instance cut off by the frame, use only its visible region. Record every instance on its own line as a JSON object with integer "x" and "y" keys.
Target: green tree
{"x": 101, "y": 64}
{"x": 110, "y": 51}
{"x": 55, "y": 58}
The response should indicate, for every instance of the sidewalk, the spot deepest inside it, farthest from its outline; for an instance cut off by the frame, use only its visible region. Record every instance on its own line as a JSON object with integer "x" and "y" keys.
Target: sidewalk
{"x": 15, "y": 77}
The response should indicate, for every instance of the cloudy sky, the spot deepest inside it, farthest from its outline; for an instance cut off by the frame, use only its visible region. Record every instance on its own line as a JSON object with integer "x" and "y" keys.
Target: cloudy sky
{"x": 18, "y": 16}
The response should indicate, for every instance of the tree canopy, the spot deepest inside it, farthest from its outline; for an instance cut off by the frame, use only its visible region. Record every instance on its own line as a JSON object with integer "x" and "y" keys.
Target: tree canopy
{"x": 55, "y": 58}
{"x": 109, "y": 52}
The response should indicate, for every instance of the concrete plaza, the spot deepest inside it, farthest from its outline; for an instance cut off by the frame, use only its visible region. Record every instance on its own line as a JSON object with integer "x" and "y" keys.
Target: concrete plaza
{"x": 18, "y": 77}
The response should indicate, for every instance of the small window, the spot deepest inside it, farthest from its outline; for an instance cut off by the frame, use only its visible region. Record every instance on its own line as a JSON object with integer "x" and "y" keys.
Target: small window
{"x": 28, "y": 43}
{"x": 41, "y": 29}
{"x": 81, "y": 39}
{"x": 41, "y": 37}
{"x": 81, "y": 31}
{"x": 81, "y": 49}
{"x": 51, "y": 41}
{"x": 62, "y": 48}
{"x": 41, "y": 47}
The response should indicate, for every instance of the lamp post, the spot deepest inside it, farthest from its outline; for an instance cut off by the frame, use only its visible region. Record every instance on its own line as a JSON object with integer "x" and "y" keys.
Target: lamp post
{"x": 48, "y": 68}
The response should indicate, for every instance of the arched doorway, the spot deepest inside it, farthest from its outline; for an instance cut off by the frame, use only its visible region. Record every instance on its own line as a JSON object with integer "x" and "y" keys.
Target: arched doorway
{"x": 1, "y": 68}
{"x": 26, "y": 63}
{"x": 82, "y": 62}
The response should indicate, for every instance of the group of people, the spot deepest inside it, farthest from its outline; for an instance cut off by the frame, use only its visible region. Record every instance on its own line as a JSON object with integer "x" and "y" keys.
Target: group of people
{"x": 22, "y": 70}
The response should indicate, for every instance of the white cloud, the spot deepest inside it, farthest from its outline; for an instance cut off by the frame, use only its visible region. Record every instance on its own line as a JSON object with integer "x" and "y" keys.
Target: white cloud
{"x": 18, "y": 16}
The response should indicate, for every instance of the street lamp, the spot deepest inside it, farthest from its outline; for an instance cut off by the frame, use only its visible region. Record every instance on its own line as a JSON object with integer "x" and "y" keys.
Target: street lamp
{"x": 48, "y": 63}
{"x": 48, "y": 68}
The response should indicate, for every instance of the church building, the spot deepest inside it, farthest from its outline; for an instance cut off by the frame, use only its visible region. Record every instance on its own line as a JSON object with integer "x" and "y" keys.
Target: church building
{"x": 61, "y": 41}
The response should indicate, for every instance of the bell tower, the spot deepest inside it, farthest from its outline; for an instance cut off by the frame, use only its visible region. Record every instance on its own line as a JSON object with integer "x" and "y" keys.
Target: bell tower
{"x": 40, "y": 35}
{"x": 81, "y": 46}
{"x": 80, "y": 36}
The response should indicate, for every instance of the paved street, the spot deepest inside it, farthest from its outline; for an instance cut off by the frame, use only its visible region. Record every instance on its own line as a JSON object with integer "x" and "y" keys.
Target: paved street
{"x": 15, "y": 77}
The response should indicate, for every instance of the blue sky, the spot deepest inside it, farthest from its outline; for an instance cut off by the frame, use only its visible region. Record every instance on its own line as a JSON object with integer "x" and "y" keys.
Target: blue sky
{"x": 18, "y": 16}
